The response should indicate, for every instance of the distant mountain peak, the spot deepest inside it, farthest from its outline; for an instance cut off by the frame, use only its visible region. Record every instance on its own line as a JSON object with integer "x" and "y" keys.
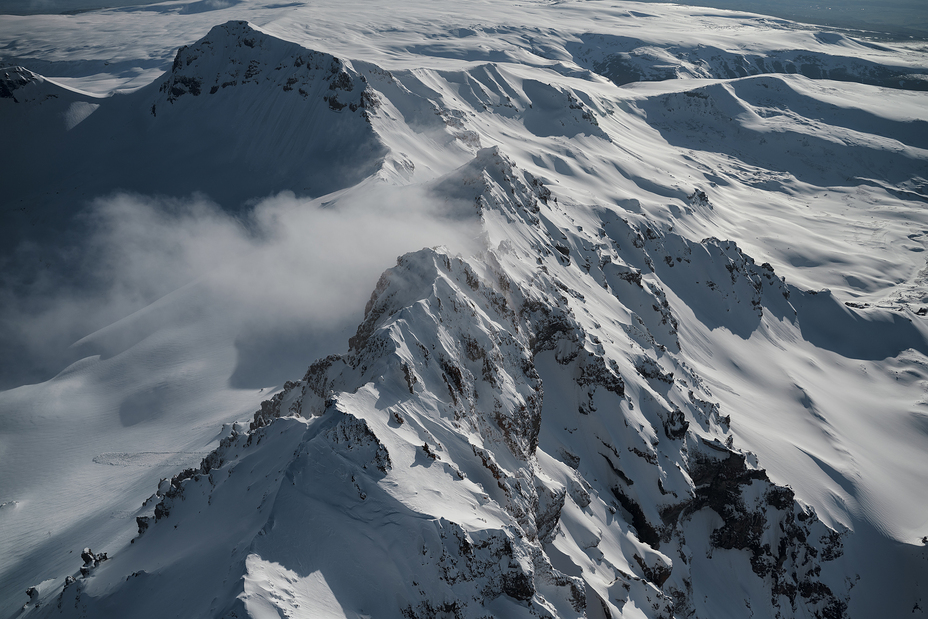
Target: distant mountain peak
{"x": 238, "y": 54}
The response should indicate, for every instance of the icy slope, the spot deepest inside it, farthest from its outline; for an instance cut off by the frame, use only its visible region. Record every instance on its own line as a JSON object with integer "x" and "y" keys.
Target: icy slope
{"x": 615, "y": 403}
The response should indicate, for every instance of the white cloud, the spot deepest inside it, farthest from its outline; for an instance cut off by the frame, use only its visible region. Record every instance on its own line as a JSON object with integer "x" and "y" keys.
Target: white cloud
{"x": 289, "y": 270}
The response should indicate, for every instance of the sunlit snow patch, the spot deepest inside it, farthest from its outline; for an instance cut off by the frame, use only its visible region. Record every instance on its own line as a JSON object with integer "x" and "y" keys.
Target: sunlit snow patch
{"x": 271, "y": 590}
{"x": 78, "y": 112}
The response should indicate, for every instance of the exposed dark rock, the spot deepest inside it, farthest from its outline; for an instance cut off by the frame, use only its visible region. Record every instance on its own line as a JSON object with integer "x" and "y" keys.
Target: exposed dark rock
{"x": 518, "y": 585}
{"x": 91, "y": 560}
{"x": 698, "y": 197}
{"x": 550, "y": 504}
{"x": 646, "y": 532}
{"x": 649, "y": 368}
{"x": 354, "y": 436}
{"x": 657, "y": 572}
{"x": 675, "y": 424}
{"x": 791, "y": 567}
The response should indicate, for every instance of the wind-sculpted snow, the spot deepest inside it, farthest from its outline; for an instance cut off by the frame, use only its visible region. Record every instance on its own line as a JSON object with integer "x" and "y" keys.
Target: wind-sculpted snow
{"x": 673, "y": 366}
{"x": 832, "y": 150}
{"x": 625, "y": 60}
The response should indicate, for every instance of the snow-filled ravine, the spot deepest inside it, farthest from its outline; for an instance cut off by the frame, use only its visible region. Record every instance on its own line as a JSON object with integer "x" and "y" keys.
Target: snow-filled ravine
{"x": 461, "y": 309}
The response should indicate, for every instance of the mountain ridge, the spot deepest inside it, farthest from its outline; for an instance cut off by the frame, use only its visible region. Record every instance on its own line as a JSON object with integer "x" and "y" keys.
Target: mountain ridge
{"x": 661, "y": 356}
{"x": 428, "y": 297}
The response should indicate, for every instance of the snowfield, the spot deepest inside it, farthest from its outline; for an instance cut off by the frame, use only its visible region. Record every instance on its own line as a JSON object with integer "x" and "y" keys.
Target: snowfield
{"x": 471, "y": 309}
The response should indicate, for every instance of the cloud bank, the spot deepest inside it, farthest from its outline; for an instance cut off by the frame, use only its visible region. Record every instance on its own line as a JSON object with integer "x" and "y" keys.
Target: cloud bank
{"x": 288, "y": 278}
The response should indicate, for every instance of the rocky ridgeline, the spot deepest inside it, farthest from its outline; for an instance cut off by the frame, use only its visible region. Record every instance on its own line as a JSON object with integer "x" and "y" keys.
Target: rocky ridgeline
{"x": 460, "y": 353}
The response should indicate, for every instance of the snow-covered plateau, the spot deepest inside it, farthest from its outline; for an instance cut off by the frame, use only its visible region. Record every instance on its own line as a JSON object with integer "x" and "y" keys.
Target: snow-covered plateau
{"x": 655, "y": 343}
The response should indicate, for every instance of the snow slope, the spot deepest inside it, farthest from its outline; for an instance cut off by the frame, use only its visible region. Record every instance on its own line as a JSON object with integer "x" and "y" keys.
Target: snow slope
{"x": 670, "y": 362}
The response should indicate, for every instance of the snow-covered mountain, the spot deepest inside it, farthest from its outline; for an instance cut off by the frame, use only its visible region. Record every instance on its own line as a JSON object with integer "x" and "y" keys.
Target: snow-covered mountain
{"x": 228, "y": 101}
{"x": 655, "y": 344}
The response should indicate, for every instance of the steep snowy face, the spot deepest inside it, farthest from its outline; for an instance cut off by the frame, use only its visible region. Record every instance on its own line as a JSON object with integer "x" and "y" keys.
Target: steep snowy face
{"x": 237, "y": 53}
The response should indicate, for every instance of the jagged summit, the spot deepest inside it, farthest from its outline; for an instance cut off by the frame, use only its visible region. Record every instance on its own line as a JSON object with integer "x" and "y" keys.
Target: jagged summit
{"x": 230, "y": 82}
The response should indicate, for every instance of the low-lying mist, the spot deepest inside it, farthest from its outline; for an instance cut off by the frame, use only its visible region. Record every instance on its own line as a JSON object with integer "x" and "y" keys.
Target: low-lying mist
{"x": 288, "y": 279}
